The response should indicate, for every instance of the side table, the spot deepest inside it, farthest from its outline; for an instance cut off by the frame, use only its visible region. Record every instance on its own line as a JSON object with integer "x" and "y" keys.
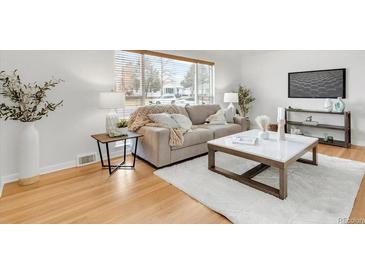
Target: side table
{"x": 105, "y": 139}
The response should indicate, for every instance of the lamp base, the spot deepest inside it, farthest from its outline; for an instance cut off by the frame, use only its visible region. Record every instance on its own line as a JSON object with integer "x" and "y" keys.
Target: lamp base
{"x": 231, "y": 105}
{"x": 111, "y": 122}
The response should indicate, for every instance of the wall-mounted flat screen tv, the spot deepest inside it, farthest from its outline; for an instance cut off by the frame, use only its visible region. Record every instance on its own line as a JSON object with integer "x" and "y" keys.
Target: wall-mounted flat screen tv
{"x": 329, "y": 83}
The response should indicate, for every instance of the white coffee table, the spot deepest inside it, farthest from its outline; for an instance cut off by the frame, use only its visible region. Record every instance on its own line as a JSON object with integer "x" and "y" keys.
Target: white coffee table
{"x": 274, "y": 153}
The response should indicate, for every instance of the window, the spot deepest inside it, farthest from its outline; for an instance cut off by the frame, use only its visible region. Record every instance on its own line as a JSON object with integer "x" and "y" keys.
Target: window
{"x": 149, "y": 78}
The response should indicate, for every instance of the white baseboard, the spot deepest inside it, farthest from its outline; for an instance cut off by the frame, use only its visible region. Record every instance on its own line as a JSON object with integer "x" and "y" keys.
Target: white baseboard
{"x": 9, "y": 178}
{"x": 52, "y": 168}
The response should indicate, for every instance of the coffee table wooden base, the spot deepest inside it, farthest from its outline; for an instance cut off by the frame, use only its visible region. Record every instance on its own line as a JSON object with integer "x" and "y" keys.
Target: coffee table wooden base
{"x": 246, "y": 178}
{"x": 247, "y": 181}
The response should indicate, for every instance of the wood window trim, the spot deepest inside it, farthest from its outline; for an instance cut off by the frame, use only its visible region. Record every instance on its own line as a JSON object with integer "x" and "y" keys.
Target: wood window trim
{"x": 171, "y": 56}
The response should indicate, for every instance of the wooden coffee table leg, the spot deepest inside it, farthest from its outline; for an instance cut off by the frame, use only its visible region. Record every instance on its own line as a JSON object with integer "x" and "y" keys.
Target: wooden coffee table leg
{"x": 283, "y": 177}
{"x": 314, "y": 158}
{"x": 314, "y": 155}
{"x": 211, "y": 158}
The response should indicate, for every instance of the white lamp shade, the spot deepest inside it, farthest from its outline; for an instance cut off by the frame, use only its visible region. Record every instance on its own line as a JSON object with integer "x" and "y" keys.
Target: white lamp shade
{"x": 112, "y": 100}
{"x": 231, "y": 97}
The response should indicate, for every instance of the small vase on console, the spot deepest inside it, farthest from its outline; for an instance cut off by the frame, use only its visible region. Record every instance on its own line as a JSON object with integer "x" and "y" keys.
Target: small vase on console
{"x": 328, "y": 105}
{"x": 339, "y": 105}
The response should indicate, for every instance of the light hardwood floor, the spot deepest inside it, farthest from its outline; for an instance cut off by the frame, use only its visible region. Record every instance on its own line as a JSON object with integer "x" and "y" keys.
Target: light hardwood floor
{"x": 90, "y": 195}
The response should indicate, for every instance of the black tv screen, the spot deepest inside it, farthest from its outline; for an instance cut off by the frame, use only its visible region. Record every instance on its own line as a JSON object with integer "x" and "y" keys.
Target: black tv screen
{"x": 329, "y": 83}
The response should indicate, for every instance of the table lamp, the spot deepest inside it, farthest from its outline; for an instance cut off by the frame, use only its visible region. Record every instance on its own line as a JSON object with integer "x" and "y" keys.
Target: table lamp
{"x": 231, "y": 97}
{"x": 112, "y": 101}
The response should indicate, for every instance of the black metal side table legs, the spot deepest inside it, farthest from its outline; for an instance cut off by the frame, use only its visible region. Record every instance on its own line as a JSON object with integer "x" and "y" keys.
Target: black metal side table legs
{"x": 112, "y": 168}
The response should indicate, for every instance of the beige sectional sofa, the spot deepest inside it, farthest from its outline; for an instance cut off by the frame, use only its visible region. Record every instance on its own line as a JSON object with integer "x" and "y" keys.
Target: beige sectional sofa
{"x": 154, "y": 145}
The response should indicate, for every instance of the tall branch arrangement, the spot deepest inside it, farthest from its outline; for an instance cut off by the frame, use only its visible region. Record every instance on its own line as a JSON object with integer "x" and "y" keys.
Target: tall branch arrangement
{"x": 29, "y": 101}
{"x": 244, "y": 100}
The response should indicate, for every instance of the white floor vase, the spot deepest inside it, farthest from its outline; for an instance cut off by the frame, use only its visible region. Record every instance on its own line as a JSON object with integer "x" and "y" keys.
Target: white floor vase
{"x": 28, "y": 154}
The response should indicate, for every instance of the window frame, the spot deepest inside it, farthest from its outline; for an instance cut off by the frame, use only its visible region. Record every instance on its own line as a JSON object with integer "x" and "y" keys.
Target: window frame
{"x": 193, "y": 61}
{"x": 171, "y": 56}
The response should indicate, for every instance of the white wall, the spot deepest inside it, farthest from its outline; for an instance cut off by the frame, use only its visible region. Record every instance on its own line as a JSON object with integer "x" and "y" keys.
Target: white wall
{"x": 266, "y": 74}
{"x": 66, "y": 132}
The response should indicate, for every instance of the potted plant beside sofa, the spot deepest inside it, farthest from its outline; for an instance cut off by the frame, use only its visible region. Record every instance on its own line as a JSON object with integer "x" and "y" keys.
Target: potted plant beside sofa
{"x": 245, "y": 99}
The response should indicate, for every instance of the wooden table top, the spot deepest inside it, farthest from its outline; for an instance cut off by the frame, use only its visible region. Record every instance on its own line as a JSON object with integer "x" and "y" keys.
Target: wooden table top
{"x": 104, "y": 138}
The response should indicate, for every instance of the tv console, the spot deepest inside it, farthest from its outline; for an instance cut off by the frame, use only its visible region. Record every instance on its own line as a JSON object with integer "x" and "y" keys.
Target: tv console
{"x": 346, "y": 128}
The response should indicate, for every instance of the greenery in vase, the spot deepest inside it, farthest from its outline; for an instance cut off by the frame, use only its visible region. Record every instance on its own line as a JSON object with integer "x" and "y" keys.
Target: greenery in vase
{"x": 122, "y": 123}
{"x": 29, "y": 101}
{"x": 244, "y": 100}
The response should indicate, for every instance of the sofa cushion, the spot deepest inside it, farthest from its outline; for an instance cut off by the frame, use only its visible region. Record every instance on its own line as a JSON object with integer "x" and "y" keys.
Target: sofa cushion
{"x": 224, "y": 130}
{"x": 188, "y": 152}
{"x": 199, "y": 113}
{"x": 182, "y": 111}
{"x": 196, "y": 136}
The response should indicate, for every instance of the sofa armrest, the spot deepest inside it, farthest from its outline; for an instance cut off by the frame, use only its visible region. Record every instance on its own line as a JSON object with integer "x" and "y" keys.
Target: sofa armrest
{"x": 154, "y": 145}
{"x": 244, "y": 122}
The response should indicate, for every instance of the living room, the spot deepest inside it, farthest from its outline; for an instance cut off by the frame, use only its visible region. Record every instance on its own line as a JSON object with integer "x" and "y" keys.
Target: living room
{"x": 125, "y": 131}
{"x": 86, "y": 75}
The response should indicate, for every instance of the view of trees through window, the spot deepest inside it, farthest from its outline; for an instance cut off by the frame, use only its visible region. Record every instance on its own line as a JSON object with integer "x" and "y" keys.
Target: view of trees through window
{"x": 148, "y": 80}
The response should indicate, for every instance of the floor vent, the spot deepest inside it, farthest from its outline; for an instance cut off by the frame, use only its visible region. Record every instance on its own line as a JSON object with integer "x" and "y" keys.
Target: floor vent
{"x": 85, "y": 159}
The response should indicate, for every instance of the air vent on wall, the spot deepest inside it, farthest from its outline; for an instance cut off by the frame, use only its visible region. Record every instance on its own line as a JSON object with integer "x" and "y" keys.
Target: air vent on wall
{"x": 86, "y": 159}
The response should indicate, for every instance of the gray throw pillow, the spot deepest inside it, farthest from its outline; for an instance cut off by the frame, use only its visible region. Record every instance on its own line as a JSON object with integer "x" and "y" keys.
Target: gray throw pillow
{"x": 229, "y": 114}
{"x": 164, "y": 119}
{"x": 183, "y": 121}
{"x": 217, "y": 119}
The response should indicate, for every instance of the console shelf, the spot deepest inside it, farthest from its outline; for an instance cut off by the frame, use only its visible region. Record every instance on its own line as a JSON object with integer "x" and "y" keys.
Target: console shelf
{"x": 337, "y": 143}
{"x": 346, "y": 128}
{"x": 313, "y": 111}
{"x": 317, "y": 126}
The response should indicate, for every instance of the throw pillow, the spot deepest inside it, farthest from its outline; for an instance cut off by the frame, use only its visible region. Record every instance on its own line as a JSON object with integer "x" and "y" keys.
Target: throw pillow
{"x": 183, "y": 121}
{"x": 217, "y": 119}
{"x": 163, "y": 119}
{"x": 229, "y": 113}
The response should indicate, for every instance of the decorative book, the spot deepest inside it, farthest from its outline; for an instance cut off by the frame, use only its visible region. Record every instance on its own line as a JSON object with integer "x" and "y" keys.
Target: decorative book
{"x": 244, "y": 140}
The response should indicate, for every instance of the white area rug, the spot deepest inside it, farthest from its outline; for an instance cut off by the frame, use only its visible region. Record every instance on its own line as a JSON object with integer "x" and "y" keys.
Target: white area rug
{"x": 316, "y": 194}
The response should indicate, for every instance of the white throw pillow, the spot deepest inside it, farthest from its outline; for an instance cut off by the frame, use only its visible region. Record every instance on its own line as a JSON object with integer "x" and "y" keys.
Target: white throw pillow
{"x": 183, "y": 121}
{"x": 229, "y": 114}
{"x": 164, "y": 119}
{"x": 217, "y": 119}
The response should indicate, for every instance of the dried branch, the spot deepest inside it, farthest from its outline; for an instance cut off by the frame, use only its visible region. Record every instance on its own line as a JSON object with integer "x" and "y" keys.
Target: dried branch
{"x": 28, "y": 100}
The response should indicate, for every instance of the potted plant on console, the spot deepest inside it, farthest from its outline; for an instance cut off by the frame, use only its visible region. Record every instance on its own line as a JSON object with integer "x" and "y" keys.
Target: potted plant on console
{"x": 26, "y": 103}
